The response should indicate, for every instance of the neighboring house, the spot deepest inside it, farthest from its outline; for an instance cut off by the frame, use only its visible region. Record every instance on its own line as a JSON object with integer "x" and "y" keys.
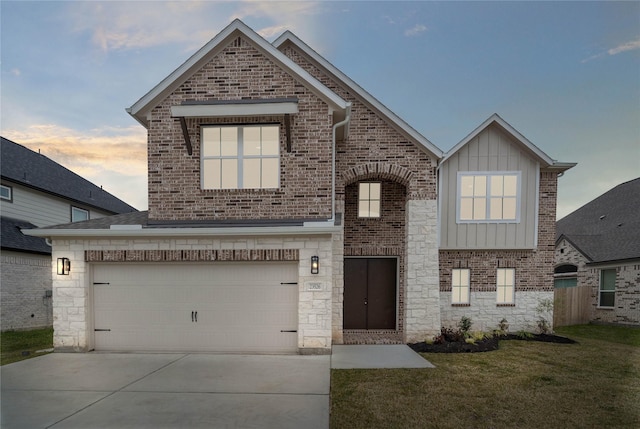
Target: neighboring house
{"x": 289, "y": 210}
{"x": 598, "y": 247}
{"x": 36, "y": 192}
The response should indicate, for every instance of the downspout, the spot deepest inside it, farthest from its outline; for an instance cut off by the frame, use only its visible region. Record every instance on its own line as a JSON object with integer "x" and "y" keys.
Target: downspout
{"x": 333, "y": 161}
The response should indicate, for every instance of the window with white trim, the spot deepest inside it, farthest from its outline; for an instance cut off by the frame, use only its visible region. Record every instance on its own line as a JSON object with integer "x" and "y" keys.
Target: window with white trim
{"x": 505, "y": 285}
{"x": 460, "y": 284}
{"x": 607, "y": 293}
{"x": 78, "y": 214}
{"x": 240, "y": 157}
{"x": 488, "y": 197}
{"x": 6, "y": 193}
{"x": 369, "y": 199}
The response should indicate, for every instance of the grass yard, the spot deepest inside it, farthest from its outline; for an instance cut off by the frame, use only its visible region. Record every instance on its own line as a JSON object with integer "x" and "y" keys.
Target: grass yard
{"x": 20, "y": 345}
{"x": 595, "y": 383}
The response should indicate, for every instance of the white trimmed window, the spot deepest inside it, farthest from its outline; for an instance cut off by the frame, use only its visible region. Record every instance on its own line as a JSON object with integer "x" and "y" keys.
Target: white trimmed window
{"x": 488, "y": 197}
{"x": 240, "y": 157}
{"x": 505, "y": 285}
{"x": 460, "y": 284}
{"x": 607, "y": 294}
{"x": 369, "y": 199}
{"x": 6, "y": 193}
{"x": 78, "y": 214}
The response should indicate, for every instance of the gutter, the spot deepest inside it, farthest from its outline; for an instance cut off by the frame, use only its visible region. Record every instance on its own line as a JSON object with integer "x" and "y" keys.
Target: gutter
{"x": 333, "y": 161}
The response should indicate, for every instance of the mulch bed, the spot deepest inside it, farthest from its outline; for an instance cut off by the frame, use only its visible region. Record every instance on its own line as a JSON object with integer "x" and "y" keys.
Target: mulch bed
{"x": 486, "y": 345}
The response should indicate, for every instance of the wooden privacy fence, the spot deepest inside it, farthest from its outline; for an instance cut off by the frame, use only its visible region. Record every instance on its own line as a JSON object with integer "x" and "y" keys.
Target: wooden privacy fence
{"x": 571, "y": 305}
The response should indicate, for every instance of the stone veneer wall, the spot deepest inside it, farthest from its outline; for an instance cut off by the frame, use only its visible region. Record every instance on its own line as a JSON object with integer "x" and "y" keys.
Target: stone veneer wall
{"x": 627, "y": 300}
{"x": 25, "y": 280}
{"x": 72, "y": 318}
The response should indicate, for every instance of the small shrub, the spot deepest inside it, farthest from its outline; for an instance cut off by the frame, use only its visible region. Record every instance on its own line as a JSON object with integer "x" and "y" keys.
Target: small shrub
{"x": 543, "y": 326}
{"x": 503, "y": 325}
{"x": 465, "y": 326}
{"x": 524, "y": 334}
{"x": 448, "y": 335}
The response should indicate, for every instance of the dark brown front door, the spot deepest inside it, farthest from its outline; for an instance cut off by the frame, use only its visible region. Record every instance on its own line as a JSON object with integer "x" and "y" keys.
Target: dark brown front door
{"x": 370, "y": 293}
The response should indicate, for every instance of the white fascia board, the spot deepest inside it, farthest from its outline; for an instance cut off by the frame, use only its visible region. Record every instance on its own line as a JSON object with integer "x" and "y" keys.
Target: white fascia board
{"x": 543, "y": 157}
{"x": 241, "y": 109}
{"x": 204, "y": 54}
{"x": 328, "y": 229}
{"x": 401, "y": 125}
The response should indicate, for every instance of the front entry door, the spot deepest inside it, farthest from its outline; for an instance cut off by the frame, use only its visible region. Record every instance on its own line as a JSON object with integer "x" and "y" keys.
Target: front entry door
{"x": 370, "y": 293}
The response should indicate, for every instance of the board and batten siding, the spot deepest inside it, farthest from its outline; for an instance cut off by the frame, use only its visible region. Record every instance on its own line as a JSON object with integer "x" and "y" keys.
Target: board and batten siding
{"x": 41, "y": 209}
{"x": 491, "y": 150}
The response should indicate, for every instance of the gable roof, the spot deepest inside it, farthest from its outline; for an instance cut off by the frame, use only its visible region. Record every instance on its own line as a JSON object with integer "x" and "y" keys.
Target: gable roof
{"x": 545, "y": 160}
{"x": 11, "y": 238}
{"x": 140, "y": 108}
{"x": 33, "y": 170}
{"x": 608, "y": 227}
{"x": 398, "y": 123}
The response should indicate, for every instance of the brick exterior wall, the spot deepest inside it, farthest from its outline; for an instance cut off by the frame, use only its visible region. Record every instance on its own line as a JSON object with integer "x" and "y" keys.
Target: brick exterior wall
{"x": 240, "y": 71}
{"x": 533, "y": 268}
{"x": 25, "y": 280}
{"x": 627, "y": 298}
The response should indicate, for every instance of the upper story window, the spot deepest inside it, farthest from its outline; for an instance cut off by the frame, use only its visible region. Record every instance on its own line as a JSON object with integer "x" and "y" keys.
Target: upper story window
{"x": 607, "y": 288}
{"x": 369, "y": 199}
{"x": 6, "y": 193}
{"x": 78, "y": 214}
{"x": 488, "y": 197}
{"x": 240, "y": 157}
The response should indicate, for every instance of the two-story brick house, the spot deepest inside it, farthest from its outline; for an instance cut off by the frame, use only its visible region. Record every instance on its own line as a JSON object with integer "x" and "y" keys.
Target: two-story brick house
{"x": 288, "y": 210}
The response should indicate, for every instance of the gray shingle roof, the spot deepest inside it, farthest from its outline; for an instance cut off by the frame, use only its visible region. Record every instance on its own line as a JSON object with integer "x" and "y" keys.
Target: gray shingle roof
{"x": 28, "y": 168}
{"x": 134, "y": 218}
{"x": 607, "y": 228}
{"x": 12, "y": 239}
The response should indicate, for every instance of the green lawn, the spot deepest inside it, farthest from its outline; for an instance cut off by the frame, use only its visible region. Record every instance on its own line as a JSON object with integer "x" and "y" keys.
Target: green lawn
{"x": 595, "y": 383}
{"x": 20, "y": 345}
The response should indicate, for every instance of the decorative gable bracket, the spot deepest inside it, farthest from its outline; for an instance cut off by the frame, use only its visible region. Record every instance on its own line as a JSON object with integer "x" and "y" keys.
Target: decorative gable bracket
{"x": 226, "y": 108}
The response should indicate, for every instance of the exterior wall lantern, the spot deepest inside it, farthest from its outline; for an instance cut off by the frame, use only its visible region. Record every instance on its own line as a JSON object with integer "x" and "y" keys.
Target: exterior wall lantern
{"x": 315, "y": 264}
{"x": 64, "y": 266}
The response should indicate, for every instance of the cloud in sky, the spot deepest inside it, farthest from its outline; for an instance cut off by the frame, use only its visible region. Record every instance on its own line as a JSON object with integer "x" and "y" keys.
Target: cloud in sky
{"x": 416, "y": 30}
{"x": 115, "y": 158}
{"x": 631, "y": 45}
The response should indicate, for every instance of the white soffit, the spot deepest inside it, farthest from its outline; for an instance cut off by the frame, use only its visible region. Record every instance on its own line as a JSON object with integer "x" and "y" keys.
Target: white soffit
{"x": 399, "y": 123}
{"x": 232, "y": 109}
{"x": 237, "y": 28}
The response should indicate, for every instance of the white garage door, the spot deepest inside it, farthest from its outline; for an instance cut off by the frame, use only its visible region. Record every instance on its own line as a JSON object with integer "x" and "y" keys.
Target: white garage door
{"x": 216, "y": 307}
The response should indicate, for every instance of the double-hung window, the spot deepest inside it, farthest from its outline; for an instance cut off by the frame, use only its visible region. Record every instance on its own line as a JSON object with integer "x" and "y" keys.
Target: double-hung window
{"x": 460, "y": 286}
{"x": 240, "y": 157}
{"x": 369, "y": 194}
{"x": 488, "y": 197}
{"x": 505, "y": 285}
{"x": 607, "y": 288}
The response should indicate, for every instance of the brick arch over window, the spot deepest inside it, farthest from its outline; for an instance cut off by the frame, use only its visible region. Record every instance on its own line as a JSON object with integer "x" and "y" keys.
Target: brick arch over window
{"x": 378, "y": 170}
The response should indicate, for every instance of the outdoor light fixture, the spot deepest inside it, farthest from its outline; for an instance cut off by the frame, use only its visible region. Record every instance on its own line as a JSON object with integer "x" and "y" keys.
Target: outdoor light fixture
{"x": 64, "y": 266}
{"x": 315, "y": 264}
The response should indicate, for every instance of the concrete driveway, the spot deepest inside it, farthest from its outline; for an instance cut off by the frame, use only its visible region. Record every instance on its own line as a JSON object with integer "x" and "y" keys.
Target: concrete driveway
{"x": 99, "y": 390}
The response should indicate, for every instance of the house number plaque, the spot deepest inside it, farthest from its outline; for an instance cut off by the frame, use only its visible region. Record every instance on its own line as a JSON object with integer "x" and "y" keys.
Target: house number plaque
{"x": 314, "y": 286}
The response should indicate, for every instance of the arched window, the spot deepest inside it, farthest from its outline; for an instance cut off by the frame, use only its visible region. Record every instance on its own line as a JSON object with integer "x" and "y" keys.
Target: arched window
{"x": 565, "y": 276}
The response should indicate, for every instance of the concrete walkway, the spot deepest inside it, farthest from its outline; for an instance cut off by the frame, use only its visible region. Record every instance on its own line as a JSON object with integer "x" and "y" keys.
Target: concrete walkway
{"x": 376, "y": 356}
{"x": 99, "y": 390}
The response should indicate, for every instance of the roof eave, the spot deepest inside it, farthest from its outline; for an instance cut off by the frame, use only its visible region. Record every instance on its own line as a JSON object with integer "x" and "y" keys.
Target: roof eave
{"x": 140, "y": 108}
{"x": 399, "y": 124}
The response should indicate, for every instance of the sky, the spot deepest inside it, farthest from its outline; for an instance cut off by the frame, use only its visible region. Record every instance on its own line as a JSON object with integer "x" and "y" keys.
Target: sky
{"x": 566, "y": 75}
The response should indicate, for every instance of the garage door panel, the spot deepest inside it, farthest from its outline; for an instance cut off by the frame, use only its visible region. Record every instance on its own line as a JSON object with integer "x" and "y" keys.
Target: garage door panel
{"x": 240, "y": 307}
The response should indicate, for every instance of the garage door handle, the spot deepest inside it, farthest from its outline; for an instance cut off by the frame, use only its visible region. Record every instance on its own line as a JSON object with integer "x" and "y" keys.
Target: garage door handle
{"x": 196, "y": 317}
{"x": 284, "y": 330}
{"x": 192, "y": 316}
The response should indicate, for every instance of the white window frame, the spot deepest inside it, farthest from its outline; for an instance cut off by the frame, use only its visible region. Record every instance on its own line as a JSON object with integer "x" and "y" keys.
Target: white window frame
{"x": 75, "y": 209}
{"x": 608, "y": 291}
{"x": 239, "y": 157}
{"x": 508, "y": 283}
{"x": 9, "y": 191}
{"x": 460, "y": 282}
{"x": 364, "y": 202}
{"x": 488, "y": 197}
